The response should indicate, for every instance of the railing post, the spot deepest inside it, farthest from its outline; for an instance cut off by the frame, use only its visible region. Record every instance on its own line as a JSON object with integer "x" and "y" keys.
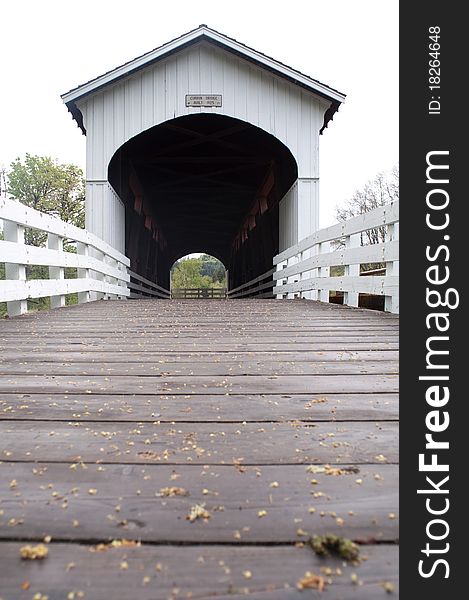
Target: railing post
{"x": 291, "y": 279}
{"x": 121, "y": 282}
{"x": 99, "y": 276}
{"x": 391, "y": 303}
{"x": 352, "y": 241}
{"x": 108, "y": 260}
{"x": 323, "y": 295}
{"x": 83, "y": 250}
{"x": 300, "y": 275}
{"x": 15, "y": 233}
{"x": 280, "y": 266}
{"x": 314, "y": 251}
{"x": 55, "y": 242}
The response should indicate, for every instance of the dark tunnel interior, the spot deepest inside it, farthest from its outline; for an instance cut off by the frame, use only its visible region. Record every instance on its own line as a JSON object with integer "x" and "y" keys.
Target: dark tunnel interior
{"x": 202, "y": 183}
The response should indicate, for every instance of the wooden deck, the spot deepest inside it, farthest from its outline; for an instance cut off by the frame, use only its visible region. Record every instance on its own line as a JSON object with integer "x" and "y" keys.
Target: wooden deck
{"x": 117, "y": 418}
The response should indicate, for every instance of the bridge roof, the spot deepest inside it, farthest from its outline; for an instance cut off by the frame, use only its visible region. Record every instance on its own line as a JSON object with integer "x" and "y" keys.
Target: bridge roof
{"x": 203, "y": 33}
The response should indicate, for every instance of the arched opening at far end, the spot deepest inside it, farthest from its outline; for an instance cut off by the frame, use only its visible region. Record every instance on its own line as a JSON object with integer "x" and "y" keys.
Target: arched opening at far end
{"x": 202, "y": 181}
{"x": 198, "y": 275}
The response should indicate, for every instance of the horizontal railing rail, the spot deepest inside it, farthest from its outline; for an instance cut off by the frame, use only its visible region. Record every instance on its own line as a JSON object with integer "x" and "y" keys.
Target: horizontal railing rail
{"x": 192, "y": 293}
{"x": 142, "y": 287}
{"x": 254, "y": 286}
{"x": 383, "y": 215}
{"x": 101, "y": 270}
{"x": 304, "y": 269}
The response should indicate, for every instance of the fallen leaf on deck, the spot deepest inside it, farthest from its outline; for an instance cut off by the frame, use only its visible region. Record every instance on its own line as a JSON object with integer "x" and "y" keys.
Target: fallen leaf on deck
{"x": 173, "y": 491}
{"x": 34, "y": 552}
{"x": 311, "y": 581}
{"x": 198, "y": 512}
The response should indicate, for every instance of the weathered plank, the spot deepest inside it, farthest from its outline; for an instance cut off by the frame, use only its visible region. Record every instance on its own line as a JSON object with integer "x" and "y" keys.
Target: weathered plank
{"x": 201, "y": 346}
{"x": 194, "y": 357}
{"x": 202, "y": 572}
{"x": 216, "y": 368}
{"x": 209, "y": 331}
{"x": 361, "y": 504}
{"x": 200, "y": 407}
{"x": 255, "y": 384}
{"x": 181, "y": 337}
{"x": 201, "y": 443}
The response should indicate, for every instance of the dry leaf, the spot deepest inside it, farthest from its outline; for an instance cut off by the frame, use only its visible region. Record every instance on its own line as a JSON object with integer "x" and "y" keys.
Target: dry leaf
{"x": 173, "y": 491}
{"x": 34, "y": 552}
{"x": 311, "y": 581}
{"x": 114, "y": 544}
{"x": 198, "y": 512}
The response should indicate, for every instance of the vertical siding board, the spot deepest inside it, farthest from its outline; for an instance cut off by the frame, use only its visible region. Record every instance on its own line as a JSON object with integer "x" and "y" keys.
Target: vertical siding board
{"x": 205, "y": 70}
{"x": 127, "y": 111}
{"x": 251, "y": 88}
{"x": 136, "y": 104}
{"x": 182, "y": 79}
{"x": 288, "y": 218}
{"x": 148, "y": 117}
{"x": 217, "y": 66}
{"x": 265, "y": 96}
{"x": 108, "y": 141}
{"x": 271, "y": 112}
{"x": 229, "y": 74}
{"x": 159, "y": 83}
{"x": 281, "y": 112}
{"x": 194, "y": 70}
{"x": 171, "y": 99}
{"x": 119, "y": 117}
{"x": 194, "y": 85}
{"x": 97, "y": 137}
{"x": 241, "y": 91}
{"x": 292, "y": 110}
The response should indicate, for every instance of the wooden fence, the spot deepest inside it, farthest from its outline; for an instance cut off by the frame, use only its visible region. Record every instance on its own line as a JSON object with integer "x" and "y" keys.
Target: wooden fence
{"x": 193, "y": 293}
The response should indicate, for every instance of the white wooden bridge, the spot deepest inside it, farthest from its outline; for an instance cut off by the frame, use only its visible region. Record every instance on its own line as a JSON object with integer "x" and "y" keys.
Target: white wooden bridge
{"x": 215, "y": 437}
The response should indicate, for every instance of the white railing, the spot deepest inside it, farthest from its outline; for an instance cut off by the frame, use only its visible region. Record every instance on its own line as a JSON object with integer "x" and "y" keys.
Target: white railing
{"x": 303, "y": 270}
{"x": 101, "y": 270}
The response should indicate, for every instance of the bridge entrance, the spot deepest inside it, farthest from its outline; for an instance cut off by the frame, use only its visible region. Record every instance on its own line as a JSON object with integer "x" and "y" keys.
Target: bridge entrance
{"x": 202, "y": 144}
{"x": 202, "y": 182}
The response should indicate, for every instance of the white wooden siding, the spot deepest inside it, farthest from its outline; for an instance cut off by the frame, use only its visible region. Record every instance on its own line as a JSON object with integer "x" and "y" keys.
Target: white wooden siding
{"x": 157, "y": 94}
{"x": 298, "y": 212}
{"x": 288, "y": 218}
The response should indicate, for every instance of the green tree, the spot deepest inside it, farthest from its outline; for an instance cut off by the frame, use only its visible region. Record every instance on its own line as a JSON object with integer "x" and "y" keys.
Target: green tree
{"x": 202, "y": 272}
{"x": 212, "y": 267}
{"x": 53, "y": 188}
{"x": 186, "y": 273}
{"x": 48, "y": 186}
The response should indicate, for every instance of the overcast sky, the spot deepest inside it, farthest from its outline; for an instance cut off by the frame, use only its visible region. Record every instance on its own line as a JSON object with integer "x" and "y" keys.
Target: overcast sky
{"x": 50, "y": 46}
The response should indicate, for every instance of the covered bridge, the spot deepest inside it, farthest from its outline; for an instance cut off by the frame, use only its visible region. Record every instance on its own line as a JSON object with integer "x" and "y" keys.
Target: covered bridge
{"x": 202, "y": 145}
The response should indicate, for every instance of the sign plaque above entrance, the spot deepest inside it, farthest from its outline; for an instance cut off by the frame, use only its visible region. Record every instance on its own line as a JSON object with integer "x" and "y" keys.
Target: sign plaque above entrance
{"x": 203, "y": 100}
